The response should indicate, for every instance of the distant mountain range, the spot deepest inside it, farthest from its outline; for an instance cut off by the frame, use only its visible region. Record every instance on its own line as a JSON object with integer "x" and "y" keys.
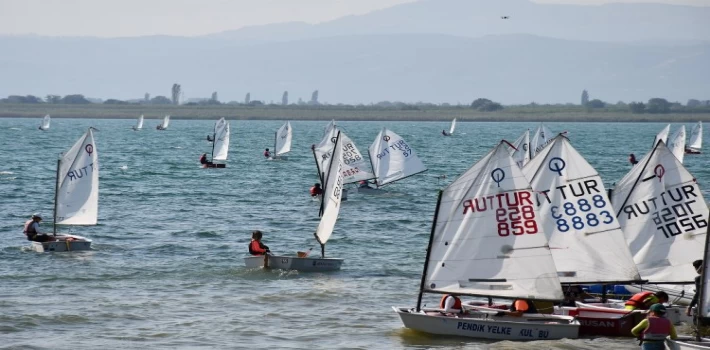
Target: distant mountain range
{"x": 432, "y": 51}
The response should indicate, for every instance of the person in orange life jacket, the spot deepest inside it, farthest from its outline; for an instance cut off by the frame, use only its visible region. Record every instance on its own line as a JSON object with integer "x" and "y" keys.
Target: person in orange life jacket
{"x": 451, "y": 304}
{"x": 363, "y": 184}
{"x": 31, "y": 230}
{"x": 256, "y": 247}
{"x": 522, "y": 306}
{"x": 632, "y": 159}
{"x": 698, "y": 265}
{"x": 644, "y": 300}
{"x": 267, "y": 154}
{"x": 654, "y": 330}
{"x": 316, "y": 190}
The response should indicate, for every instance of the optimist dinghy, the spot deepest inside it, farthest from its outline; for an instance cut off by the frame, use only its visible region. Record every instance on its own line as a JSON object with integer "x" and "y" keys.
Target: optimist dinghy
{"x": 330, "y": 207}
{"x": 392, "y": 159}
{"x": 489, "y": 248}
{"x": 220, "y": 144}
{"x": 76, "y": 197}
{"x": 45, "y": 123}
{"x": 282, "y": 142}
{"x": 164, "y": 124}
{"x": 139, "y": 124}
{"x": 355, "y": 167}
{"x": 696, "y": 139}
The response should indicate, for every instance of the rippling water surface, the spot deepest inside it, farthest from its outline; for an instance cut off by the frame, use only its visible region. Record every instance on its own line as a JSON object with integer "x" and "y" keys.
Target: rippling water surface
{"x": 167, "y": 271}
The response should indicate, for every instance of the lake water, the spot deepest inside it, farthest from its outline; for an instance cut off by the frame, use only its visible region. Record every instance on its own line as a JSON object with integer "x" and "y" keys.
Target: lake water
{"x": 167, "y": 270}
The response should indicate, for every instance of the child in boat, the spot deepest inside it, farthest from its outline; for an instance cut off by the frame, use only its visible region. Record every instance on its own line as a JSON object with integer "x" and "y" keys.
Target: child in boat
{"x": 654, "y": 330}
{"x": 256, "y": 247}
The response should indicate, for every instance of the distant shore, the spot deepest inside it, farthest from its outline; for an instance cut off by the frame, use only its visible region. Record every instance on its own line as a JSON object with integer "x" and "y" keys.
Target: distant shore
{"x": 366, "y": 113}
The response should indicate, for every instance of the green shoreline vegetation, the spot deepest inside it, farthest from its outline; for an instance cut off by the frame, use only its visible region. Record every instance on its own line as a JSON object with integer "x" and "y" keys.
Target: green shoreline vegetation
{"x": 76, "y": 106}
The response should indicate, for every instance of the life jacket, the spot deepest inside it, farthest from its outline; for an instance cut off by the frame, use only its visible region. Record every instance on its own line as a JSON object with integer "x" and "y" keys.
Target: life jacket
{"x": 29, "y": 229}
{"x": 203, "y": 159}
{"x": 255, "y": 248}
{"x": 457, "y": 302}
{"x": 658, "y": 328}
{"x": 315, "y": 191}
{"x": 639, "y": 300}
{"x": 531, "y": 307}
{"x": 267, "y": 154}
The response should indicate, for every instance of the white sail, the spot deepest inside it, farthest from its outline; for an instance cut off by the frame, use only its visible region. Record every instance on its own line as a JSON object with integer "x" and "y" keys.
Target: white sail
{"x": 220, "y": 146}
{"x": 676, "y": 143}
{"x": 453, "y": 127}
{"x": 393, "y": 159}
{"x": 663, "y": 214}
{"x": 487, "y": 237}
{"x": 585, "y": 238}
{"x": 324, "y": 149}
{"x": 331, "y": 193}
{"x": 45, "y": 122}
{"x": 166, "y": 122}
{"x": 355, "y": 167}
{"x": 662, "y": 135}
{"x": 696, "y": 137}
{"x": 540, "y": 138}
{"x": 521, "y": 152}
{"x": 329, "y": 128}
{"x": 139, "y": 125}
{"x": 78, "y": 183}
{"x": 283, "y": 139}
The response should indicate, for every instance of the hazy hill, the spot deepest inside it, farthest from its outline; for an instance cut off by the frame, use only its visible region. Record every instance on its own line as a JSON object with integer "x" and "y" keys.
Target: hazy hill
{"x": 358, "y": 68}
{"x": 476, "y": 18}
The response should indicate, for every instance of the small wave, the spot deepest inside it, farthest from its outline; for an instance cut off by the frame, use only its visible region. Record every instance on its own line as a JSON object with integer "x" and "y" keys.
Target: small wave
{"x": 124, "y": 168}
{"x": 6, "y": 173}
{"x": 15, "y": 129}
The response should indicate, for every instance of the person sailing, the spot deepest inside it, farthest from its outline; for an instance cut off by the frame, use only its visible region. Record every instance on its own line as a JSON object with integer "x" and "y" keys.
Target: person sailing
{"x": 209, "y": 138}
{"x": 632, "y": 159}
{"x": 203, "y": 160}
{"x": 256, "y": 247}
{"x": 267, "y": 154}
{"x": 451, "y": 304}
{"x": 698, "y": 265}
{"x": 316, "y": 190}
{"x": 443, "y": 132}
{"x": 32, "y": 231}
{"x": 654, "y": 330}
{"x": 643, "y": 300}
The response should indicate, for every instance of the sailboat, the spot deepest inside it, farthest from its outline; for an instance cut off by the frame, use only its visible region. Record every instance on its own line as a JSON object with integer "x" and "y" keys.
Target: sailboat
{"x": 487, "y": 240}
{"x": 451, "y": 130}
{"x": 393, "y": 159}
{"x": 696, "y": 139}
{"x": 45, "y": 122}
{"x": 220, "y": 145}
{"x": 282, "y": 142}
{"x": 76, "y": 197}
{"x": 676, "y": 143}
{"x": 164, "y": 124}
{"x": 330, "y": 207}
{"x": 540, "y": 138}
{"x": 139, "y": 124}
{"x": 587, "y": 244}
{"x": 521, "y": 151}
{"x": 662, "y": 135}
{"x": 355, "y": 167}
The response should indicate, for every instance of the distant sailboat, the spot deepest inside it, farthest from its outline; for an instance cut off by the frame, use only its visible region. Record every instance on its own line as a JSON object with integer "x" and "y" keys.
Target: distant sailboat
{"x": 330, "y": 208}
{"x": 45, "y": 122}
{"x": 355, "y": 167}
{"x": 696, "y": 139}
{"x": 164, "y": 124}
{"x": 521, "y": 151}
{"x": 393, "y": 159}
{"x": 485, "y": 248}
{"x": 76, "y": 197}
{"x": 220, "y": 145}
{"x": 282, "y": 141}
{"x": 676, "y": 143}
{"x": 139, "y": 124}
{"x": 540, "y": 138}
{"x": 451, "y": 130}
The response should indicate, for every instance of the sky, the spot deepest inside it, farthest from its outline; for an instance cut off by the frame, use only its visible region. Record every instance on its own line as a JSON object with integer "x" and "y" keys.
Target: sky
{"x": 125, "y": 18}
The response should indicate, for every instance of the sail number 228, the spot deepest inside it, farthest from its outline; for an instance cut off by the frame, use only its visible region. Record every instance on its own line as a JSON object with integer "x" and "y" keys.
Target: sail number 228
{"x": 516, "y": 220}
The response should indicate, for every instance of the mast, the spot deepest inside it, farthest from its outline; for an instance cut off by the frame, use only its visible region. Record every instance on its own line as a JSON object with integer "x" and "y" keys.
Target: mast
{"x": 214, "y": 140}
{"x": 276, "y": 135}
{"x": 703, "y": 282}
{"x": 637, "y": 181}
{"x": 322, "y": 197}
{"x": 315, "y": 158}
{"x": 428, "y": 252}
{"x": 372, "y": 166}
{"x": 56, "y": 194}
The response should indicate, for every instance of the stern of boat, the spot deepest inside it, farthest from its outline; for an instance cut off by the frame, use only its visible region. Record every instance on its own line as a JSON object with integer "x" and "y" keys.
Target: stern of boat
{"x": 77, "y": 243}
{"x": 281, "y": 262}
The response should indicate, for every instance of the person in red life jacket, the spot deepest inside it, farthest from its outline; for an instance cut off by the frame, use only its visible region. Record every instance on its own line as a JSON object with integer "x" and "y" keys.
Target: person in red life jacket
{"x": 632, "y": 159}
{"x": 31, "y": 230}
{"x": 654, "y": 330}
{"x": 267, "y": 154}
{"x": 451, "y": 304}
{"x": 316, "y": 190}
{"x": 522, "y": 306}
{"x": 644, "y": 300}
{"x": 698, "y": 265}
{"x": 203, "y": 159}
{"x": 256, "y": 247}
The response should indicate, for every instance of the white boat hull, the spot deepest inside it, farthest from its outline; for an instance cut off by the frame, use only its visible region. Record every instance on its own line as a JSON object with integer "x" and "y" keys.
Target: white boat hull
{"x": 675, "y": 313}
{"x": 78, "y": 244}
{"x": 687, "y": 344}
{"x": 278, "y": 158}
{"x": 282, "y": 262}
{"x": 370, "y": 190}
{"x": 485, "y": 325}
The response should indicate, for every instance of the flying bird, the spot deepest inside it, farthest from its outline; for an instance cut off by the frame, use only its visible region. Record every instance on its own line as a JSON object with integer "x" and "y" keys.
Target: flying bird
{"x": 504, "y": 17}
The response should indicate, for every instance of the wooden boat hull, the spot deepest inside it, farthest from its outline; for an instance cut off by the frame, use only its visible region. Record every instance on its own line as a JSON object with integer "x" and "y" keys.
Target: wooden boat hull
{"x": 78, "y": 244}
{"x": 603, "y": 322}
{"x": 485, "y": 325}
{"x": 687, "y": 343}
{"x": 282, "y": 262}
